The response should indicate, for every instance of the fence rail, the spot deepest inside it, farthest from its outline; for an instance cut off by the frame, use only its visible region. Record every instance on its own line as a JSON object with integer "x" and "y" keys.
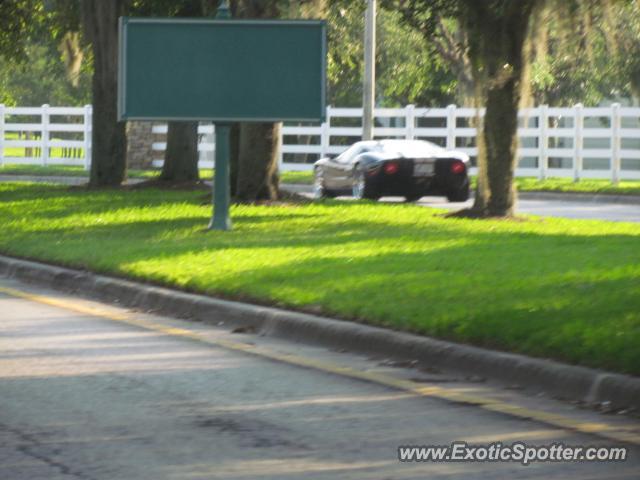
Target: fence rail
{"x": 576, "y": 142}
{"x": 45, "y": 135}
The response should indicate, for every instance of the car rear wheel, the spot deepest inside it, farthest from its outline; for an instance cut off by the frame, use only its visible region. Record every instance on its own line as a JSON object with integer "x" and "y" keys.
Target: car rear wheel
{"x": 361, "y": 189}
{"x": 319, "y": 190}
{"x": 460, "y": 194}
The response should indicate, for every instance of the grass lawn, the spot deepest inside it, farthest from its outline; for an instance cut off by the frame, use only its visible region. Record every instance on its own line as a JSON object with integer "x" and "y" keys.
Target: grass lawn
{"x": 22, "y": 151}
{"x": 74, "y": 171}
{"x": 627, "y": 187}
{"x": 66, "y": 171}
{"x": 556, "y": 288}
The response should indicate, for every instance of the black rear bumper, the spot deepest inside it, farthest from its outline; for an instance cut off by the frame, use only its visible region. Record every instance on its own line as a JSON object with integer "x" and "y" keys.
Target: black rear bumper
{"x": 404, "y": 183}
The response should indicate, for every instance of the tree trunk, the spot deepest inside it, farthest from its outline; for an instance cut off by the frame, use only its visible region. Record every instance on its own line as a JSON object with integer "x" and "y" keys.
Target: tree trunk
{"x": 496, "y": 34}
{"x": 258, "y": 177}
{"x": 257, "y": 168}
{"x": 109, "y": 142}
{"x": 496, "y": 194}
{"x": 181, "y": 155}
{"x": 234, "y": 154}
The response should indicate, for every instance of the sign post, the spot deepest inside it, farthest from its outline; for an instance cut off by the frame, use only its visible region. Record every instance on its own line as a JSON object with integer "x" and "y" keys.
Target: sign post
{"x": 221, "y": 175}
{"x": 222, "y": 71}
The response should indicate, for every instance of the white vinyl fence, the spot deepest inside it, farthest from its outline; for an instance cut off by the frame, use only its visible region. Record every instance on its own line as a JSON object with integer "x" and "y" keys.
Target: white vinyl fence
{"x": 576, "y": 142}
{"x": 45, "y": 135}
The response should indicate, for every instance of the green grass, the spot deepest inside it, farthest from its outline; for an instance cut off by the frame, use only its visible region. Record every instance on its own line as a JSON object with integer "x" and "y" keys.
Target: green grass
{"x": 64, "y": 171}
{"x": 305, "y": 178}
{"x": 55, "y": 152}
{"x": 627, "y": 187}
{"x": 74, "y": 171}
{"x": 556, "y": 288}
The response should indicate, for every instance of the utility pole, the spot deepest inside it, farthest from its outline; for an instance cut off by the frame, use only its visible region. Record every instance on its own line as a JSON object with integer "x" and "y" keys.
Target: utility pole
{"x": 369, "y": 81}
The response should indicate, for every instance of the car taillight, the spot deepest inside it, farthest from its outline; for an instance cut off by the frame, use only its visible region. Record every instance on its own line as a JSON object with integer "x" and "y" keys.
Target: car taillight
{"x": 391, "y": 168}
{"x": 457, "y": 167}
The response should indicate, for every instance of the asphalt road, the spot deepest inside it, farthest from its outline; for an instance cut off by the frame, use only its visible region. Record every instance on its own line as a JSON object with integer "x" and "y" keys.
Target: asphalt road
{"x": 89, "y": 397}
{"x": 619, "y": 212}
{"x": 587, "y": 210}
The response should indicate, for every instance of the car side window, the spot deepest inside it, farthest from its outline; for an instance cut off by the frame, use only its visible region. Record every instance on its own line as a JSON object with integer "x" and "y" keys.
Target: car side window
{"x": 349, "y": 154}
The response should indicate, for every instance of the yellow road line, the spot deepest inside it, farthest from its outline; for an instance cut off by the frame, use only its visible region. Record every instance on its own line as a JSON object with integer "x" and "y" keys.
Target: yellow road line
{"x": 604, "y": 430}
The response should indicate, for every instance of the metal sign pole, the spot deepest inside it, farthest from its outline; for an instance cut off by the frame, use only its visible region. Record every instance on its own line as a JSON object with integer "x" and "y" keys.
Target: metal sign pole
{"x": 221, "y": 194}
{"x": 221, "y": 191}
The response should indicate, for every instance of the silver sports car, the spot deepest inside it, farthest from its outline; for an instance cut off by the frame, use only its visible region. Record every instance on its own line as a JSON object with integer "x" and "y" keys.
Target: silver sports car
{"x": 407, "y": 168}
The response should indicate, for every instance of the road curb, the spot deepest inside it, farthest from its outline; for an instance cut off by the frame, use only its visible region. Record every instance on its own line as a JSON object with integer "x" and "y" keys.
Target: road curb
{"x": 552, "y": 378}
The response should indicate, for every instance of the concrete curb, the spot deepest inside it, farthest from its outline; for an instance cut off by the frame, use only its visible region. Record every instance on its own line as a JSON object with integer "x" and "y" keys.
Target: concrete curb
{"x": 553, "y": 378}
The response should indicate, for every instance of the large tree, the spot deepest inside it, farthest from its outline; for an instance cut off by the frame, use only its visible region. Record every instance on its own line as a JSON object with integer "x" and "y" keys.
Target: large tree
{"x": 108, "y": 165}
{"x": 255, "y": 169}
{"x": 516, "y": 50}
{"x": 109, "y": 141}
{"x": 181, "y": 155}
{"x": 256, "y": 173}
{"x": 19, "y": 20}
{"x": 41, "y": 54}
{"x": 608, "y": 34}
{"x": 492, "y": 37}
{"x": 497, "y": 31}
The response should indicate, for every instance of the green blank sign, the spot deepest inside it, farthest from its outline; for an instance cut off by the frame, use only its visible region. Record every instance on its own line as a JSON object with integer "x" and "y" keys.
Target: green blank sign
{"x": 222, "y": 70}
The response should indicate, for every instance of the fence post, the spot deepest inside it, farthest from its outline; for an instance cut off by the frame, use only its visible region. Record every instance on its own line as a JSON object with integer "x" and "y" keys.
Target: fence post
{"x": 578, "y": 126}
{"x": 615, "y": 143}
{"x": 87, "y": 136}
{"x": 1, "y": 135}
{"x": 410, "y": 121}
{"x": 451, "y": 127}
{"x": 543, "y": 142}
{"x": 325, "y": 139}
{"x": 45, "y": 135}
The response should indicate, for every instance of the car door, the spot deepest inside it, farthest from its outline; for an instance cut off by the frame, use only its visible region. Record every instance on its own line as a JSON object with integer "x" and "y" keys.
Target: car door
{"x": 337, "y": 170}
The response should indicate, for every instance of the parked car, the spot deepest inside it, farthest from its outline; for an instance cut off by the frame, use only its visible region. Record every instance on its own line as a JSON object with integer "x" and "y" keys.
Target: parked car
{"x": 407, "y": 168}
